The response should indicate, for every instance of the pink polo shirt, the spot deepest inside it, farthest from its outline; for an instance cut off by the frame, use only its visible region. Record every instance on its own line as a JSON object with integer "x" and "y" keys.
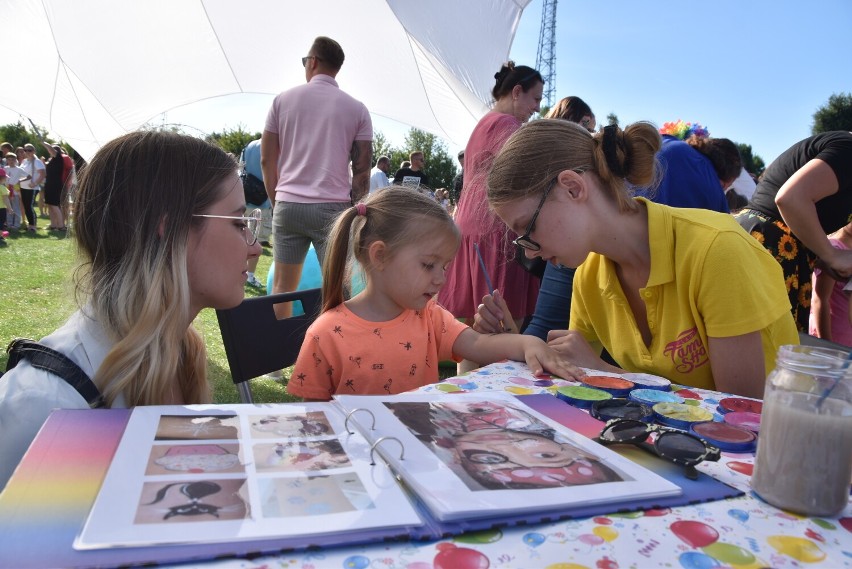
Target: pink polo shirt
{"x": 316, "y": 125}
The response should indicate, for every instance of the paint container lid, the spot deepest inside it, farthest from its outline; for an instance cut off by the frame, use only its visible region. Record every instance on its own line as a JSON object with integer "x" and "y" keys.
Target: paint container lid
{"x": 739, "y": 404}
{"x": 652, "y": 396}
{"x": 609, "y": 409}
{"x": 744, "y": 419}
{"x": 614, "y": 385}
{"x": 581, "y": 396}
{"x": 648, "y": 381}
{"x": 728, "y": 438}
{"x": 680, "y": 415}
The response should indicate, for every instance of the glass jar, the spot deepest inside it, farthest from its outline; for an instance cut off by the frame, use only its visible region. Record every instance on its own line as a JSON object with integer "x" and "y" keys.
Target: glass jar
{"x": 804, "y": 451}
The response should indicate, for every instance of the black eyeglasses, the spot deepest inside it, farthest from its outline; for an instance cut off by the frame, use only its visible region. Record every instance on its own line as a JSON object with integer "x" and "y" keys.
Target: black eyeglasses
{"x": 673, "y": 445}
{"x": 305, "y": 59}
{"x": 524, "y": 240}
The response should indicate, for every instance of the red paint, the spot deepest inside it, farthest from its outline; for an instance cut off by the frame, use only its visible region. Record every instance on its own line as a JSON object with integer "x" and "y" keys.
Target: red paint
{"x": 740, "y": 404}
{"x": 741, "y": 467}
{"x": 687, "y": 394}
{"x": 724, "y": 433}
{"x": 607, "y": 382}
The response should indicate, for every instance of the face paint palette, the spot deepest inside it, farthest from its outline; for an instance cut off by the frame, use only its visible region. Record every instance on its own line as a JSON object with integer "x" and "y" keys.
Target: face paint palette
{"x": 581, "y": 396}
{"x": 680, "y": 415}
{"x": 727, "y": 437}
{"x": 652, "y": 397}
{"x": 743, "y": 419}
{"x": 615, "y": 386}
{"x": 730, "y": 404}
{"x": 648, "y": 381}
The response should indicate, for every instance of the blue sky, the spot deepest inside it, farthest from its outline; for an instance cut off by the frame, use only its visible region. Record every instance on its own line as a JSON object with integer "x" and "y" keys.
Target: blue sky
{"x": 753, "y": 71}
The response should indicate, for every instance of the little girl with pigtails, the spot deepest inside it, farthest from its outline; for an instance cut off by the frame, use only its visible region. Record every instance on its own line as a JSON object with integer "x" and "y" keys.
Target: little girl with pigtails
{"x": 390, "y": 337}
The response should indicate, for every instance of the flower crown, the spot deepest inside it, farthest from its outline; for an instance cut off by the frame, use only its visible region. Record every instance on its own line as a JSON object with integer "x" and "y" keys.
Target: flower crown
{"x": 684, "y": 130}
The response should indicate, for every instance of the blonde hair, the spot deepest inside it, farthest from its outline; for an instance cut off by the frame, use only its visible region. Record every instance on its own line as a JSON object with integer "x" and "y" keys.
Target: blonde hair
{"x": 133, "y": 213}
{"x": 396, "y": 216}
{"x": 540, "y": 150}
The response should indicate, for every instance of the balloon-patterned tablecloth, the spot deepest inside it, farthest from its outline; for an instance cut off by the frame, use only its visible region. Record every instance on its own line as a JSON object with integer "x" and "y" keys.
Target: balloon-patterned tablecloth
{"x": 741, "y": 533}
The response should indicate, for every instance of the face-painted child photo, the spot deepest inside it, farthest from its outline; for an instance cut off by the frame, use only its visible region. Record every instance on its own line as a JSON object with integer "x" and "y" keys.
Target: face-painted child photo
{"x": 313, "y": 495}
{"x": 300, "y": 456}
{"x": 309, "y": 424}
{"x": 492, "y": 445}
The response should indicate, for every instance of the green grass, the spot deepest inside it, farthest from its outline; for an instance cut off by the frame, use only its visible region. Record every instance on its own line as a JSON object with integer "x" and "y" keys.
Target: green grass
{"x": 36, "y": 297}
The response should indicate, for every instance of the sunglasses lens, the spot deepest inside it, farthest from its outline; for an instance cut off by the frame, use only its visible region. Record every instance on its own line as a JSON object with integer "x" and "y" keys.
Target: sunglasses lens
{"x": 627, "y": 430}
{"x": 681, "y": 447}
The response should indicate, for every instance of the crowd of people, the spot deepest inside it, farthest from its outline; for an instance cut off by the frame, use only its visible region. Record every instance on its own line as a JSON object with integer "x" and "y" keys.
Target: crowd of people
{"x": 572, "y": 245}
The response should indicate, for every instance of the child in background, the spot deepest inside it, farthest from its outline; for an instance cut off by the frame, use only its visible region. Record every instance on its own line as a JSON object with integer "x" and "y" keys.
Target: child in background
{"x": 390, "y": 337}
{"x": 14, "y": 173}
{"x": 830, "y": 317}
{"x": 5, "y": 205}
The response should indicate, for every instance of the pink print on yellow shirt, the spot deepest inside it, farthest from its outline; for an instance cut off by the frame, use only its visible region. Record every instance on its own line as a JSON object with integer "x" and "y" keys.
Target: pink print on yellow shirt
{"x": 687, "y": 351}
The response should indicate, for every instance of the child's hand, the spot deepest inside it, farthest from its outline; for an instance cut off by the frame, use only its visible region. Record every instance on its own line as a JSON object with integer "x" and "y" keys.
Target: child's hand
{"x": 540, "y": 358}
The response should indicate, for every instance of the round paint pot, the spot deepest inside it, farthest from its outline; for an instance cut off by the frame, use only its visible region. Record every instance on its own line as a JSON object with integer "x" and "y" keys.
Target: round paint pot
{"x": 727, "y": 437}
{"x": 580, "y": 396}
{"x": 648, "y": 381}
{"x": 609, "y": 409}
{"x": 743, "y": 419}
{"x": 652, "y": 397}
{"x": 615, "y": 386}
{"x": 680, "y": 415}
{"x": 739, "y": 404}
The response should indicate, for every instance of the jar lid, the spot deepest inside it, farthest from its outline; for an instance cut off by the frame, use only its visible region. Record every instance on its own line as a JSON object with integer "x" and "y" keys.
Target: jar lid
{"x": 680, "y": 415}
{"x": 648, "y": 381}
{"x": 654, "y": 396}
{"x": 614, "y": 385}
{"x": 739, "y": 404}
{"x": 744, "y": 419}
{"x": 727, "y": 437}
{"x": 580, "y": 396}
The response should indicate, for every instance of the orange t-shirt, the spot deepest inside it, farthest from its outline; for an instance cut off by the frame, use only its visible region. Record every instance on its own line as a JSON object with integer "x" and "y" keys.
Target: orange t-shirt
{"x": 343, "y": 353}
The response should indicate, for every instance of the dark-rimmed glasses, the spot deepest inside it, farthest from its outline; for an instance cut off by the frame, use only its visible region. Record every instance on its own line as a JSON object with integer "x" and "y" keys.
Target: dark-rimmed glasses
{"x": 671, "y": 444}
{"x": 252, "y": 223}
{"x": 306, "y": 58}
{"x": 525, "y": 240}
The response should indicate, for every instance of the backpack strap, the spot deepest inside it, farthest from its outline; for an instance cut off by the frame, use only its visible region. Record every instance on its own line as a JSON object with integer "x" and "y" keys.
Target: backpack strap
{"x": 58, "y": 364}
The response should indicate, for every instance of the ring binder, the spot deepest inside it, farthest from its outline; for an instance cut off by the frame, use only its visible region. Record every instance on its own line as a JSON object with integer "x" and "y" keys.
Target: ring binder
{"x": 349, "y": 414}
{"x": 380, "y": 439}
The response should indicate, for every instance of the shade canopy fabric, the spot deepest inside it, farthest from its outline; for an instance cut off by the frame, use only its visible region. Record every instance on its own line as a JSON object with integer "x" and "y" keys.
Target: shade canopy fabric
{"x": 91, "y": 70}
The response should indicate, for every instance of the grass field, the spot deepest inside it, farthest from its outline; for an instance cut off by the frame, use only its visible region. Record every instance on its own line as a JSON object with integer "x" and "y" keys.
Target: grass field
{"x": 36, "y": 297}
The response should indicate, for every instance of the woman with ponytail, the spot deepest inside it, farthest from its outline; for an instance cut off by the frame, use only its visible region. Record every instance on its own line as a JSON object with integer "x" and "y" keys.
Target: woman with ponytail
{"x": 160, "y": 233}
{"x": 654, "y": 283}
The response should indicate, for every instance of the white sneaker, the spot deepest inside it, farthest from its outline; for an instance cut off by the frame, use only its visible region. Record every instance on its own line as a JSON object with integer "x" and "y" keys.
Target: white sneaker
{"x": 252, "y": 281}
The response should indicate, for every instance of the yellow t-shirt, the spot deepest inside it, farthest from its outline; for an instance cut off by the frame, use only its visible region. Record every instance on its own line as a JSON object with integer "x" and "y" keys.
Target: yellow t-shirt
{"x": 4, "y": 191}
{"x": 708, "y": 278}
{"x": 343, "y": 353}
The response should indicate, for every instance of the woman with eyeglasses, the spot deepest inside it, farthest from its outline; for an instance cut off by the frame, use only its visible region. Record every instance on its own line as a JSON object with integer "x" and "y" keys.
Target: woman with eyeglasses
{"x": 161, "y": 235}
{"x": 681, "y": 293}
{"x": 517, "y": 93}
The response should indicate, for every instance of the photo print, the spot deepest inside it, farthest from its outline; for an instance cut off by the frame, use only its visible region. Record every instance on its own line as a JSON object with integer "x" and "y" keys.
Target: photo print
{"x": 198, "y": 427}
{"x": 300, "y": 456}
{"x": 195, "y": 501}
{"x": 309, "y": 424}
{"x": 491, "y": 445}
{"x": 313, "y": 495}
{"x": 194, "y": 459}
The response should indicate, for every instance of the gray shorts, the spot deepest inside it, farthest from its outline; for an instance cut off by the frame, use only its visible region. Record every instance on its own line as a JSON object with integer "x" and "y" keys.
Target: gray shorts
{"x": 296, "y": 225}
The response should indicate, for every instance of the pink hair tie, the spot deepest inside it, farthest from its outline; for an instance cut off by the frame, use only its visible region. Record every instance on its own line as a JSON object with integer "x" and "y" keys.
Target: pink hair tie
{"x": 360, "y": 209}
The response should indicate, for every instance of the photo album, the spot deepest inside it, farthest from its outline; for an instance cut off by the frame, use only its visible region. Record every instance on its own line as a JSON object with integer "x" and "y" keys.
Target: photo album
{"x": 358, "y": 469}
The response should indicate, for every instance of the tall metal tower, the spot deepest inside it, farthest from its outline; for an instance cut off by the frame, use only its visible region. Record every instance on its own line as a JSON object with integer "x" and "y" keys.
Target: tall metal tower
{"x": 545, "y": 59}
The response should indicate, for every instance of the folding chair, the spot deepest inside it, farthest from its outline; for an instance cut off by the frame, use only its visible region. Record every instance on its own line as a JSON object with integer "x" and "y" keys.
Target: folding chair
{"x": 256, "y": 342}
{"x": 808, "y": 340}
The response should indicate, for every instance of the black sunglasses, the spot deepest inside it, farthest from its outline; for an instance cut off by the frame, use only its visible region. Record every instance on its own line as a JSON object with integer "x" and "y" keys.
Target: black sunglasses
{"x": 673, "y": 445}
{"x": 305, "y": 59}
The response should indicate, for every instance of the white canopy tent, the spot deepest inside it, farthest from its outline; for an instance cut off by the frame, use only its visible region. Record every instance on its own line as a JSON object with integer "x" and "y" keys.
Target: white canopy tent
{"x": 92, "y": 70}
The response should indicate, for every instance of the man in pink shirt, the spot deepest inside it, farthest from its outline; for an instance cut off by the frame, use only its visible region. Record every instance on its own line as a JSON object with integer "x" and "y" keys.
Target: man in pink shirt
{"x": 312, "y": 133}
